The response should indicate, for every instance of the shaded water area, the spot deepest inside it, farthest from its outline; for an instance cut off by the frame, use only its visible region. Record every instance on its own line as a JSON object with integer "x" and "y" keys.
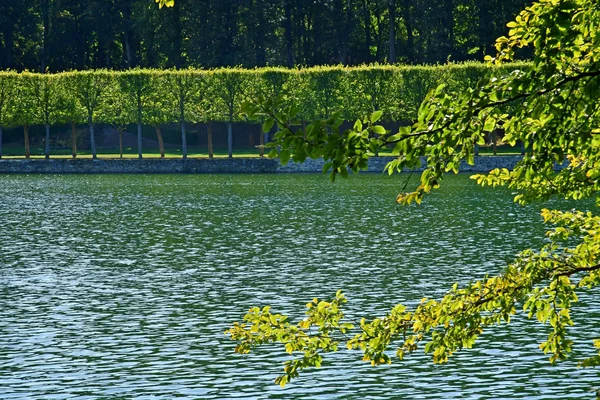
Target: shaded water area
{"x": 120, "y": 287}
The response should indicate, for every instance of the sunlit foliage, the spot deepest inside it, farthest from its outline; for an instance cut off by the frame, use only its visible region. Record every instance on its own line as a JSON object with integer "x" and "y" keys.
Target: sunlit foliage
{"x": 553, "y": 108}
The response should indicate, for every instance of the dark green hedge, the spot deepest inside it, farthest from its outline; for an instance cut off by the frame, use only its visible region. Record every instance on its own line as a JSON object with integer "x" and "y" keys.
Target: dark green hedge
{"x": 158, "y": 96}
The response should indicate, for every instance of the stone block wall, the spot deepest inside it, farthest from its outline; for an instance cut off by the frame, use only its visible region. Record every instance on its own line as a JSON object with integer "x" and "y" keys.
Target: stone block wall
{"x": 207, "y": 166}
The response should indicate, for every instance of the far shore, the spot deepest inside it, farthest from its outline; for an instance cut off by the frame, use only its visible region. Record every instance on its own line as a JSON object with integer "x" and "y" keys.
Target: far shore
{"x": 107, "y": 164}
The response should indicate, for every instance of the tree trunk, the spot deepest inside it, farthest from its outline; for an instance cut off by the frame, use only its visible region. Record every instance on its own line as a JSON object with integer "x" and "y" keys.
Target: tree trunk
{"x": 26, "y": 140}
{"x": 342, "y": 29}
{"x": 367, "y": 23}
{"x": 392, "y": 16}
{"x": 230, "y": 139}
{"x": 261, "y": 55}
{"x": 287, "y": 26}
{"x": 448, "y": 21}
{"x": 408, "y": 23}
{"x": 161, "y": 144}
{"x": 120, "y": 142}
{"x": 209, "y": 137}
{"x": 177, "y": 35}
{"x": 494, "y": 136}
{"x": 379, "y": 38}
{"x": 139, "y": 139}
{"x": 476, "y": 149}
{"x": 485, "y": 20}
{"x": 184, "y": 150}
{"x": 73, "y": 140}
{"x": 47, "y": 148}
{"x": 261, "y": 141}
{"x": 128, "y": 52}
{"x": 92, "y": 138}
{"x": 46, "y": 27}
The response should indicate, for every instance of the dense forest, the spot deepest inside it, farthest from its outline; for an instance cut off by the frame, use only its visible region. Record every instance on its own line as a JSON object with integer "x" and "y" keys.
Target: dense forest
{"x": 59, "y": 35}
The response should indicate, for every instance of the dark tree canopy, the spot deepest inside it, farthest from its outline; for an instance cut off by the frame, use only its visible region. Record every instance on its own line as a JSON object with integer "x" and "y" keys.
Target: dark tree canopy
{"x": 63, "y": 35}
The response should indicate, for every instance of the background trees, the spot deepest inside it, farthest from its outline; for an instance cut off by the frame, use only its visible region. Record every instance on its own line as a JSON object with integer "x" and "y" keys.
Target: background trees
{"x": 116, "y": 34}
{"x": 162, "y": 97}
{"x": 229, "y": 87}
{"x": 44, "y": 91}
{"x": 137, "y": 86}
{"x": 88, "y": 88}
{"x": 7, "y": 88}
{"x": 184, "y": 88}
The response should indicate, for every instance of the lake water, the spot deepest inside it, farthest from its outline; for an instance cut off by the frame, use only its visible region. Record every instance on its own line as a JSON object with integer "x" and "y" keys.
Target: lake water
{"x": 120, "y": 287}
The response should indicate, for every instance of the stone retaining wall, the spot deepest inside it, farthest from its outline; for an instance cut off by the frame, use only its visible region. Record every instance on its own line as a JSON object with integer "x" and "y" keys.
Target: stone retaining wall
{"x": 377, "y": 164}
{"x": 206, "y": 166}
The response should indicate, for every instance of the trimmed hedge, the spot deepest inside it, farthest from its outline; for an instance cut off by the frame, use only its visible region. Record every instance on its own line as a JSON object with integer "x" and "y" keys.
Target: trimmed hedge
{"x": 155, "y": 97}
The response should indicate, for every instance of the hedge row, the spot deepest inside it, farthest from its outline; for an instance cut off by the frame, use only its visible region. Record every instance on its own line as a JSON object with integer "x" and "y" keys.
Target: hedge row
{"x": 155, "y": 97}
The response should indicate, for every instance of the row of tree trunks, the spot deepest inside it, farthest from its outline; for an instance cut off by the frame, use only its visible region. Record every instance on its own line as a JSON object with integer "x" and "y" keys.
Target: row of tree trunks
{"x": 161, "y": 144}
{"x": 263, "y": 138}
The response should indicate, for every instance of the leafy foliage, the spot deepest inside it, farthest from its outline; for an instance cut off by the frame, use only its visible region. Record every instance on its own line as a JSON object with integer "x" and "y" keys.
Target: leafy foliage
{"x": 7, "y": 88}
{"x": 167, "y": 3}
{"x": 551, "y": 106}
{"x": 217, "y": 95}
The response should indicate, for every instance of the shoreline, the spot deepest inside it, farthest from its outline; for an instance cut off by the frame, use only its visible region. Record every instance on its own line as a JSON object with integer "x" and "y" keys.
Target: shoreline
{"x": 209, "y": 166}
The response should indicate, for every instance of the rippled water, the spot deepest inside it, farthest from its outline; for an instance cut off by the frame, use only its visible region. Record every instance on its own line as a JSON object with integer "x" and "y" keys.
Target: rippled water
{"x": 120, "y": 287}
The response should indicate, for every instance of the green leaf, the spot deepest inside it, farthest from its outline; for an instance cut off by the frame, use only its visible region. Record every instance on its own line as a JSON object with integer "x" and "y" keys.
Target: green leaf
{"x": 284, "y": 157}
{"x": 268, "y": 124}
{"x": 358, "y": 125}
{"x": 379, "y": 130}
{"x": 490, "y": 125}
{"x": 376, "y": 116}
{"x": 470, "y": 159}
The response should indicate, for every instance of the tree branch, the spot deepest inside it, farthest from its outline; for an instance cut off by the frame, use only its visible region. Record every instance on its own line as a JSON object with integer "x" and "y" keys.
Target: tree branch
{"x": 577, "y": 270}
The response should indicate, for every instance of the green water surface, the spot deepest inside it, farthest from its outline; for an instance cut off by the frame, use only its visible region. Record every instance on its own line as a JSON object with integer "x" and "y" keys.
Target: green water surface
{"x": 120, "y": 287}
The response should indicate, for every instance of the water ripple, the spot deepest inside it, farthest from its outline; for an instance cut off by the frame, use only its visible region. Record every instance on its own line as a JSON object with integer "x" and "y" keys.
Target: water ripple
{"x": 121, "y": 286}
